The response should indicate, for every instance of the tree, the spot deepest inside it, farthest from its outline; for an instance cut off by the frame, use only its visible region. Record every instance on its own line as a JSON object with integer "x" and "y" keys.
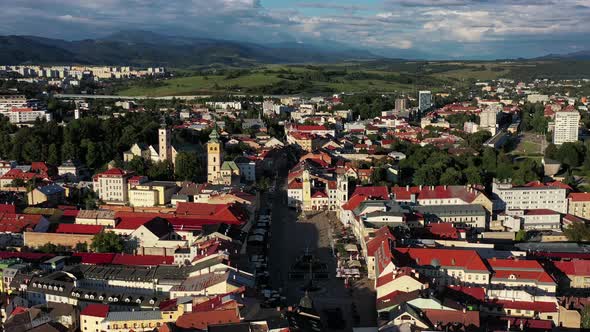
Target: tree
{"x": 107, "y": 242}
{"x": 577, "y": 232}
{"x": 81, "y": 247}
{"x": 92, "y": 156}
{"x": 489, "y": 160}
{"x": 53, "y": 155}
{"x": 586, "y": 317}
{"x": 450, "y": 177}
{"x": 161, "y": 170}
{"x": 137, "y": 165}
{"x": 426, "y": 175}
{"x": 473, "y": 175}
{"x": 187, "y": 166}
{"x": 520, "y": 236}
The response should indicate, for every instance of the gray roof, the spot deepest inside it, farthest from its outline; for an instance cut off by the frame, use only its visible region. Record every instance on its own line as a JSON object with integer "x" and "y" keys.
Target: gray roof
{"x": 452, "y": 210}
{"x": 118, "y": 316}
{"x": 51, "y": 189}
{"x": 116, "y": 272}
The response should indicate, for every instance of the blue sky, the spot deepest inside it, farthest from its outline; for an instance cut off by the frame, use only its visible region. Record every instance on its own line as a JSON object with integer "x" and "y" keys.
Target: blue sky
{"x": 433, "y": 29}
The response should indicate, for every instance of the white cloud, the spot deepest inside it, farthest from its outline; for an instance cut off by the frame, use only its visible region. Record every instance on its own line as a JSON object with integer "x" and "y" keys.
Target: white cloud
{"x": 427, "y": 25}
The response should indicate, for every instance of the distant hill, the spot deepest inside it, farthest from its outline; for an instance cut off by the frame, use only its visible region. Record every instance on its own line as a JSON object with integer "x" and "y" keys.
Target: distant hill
{"x": 143, "y": 48}
{"x": 579, "y": 55}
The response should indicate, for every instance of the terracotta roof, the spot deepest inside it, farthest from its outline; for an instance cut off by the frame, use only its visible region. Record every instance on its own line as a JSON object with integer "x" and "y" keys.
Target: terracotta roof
{"x": 319, "y": 194}
{"x": 540, "y": 212}
{"x": 295, "y": 185}
{"x": 574, "y": 267}
{"x": 95, "y": 310}
{"x": 478, "y": 293}
{"x": 18, "y": 223}
{"x": 443, "y": 230}
{"x": 142, "y": 260}
{"x": 468, "y": 259}
{"x": 79, "y": 229}
{"x": 524, "y": 305}
{"x": 114, "y": 171}
{"x": 579, "y": 197}
{"x": 381, "y": 235}
{"x": 354, "y": 202}
{"x": 202, "y": 319}
{"x": 438, "y": 192}
{"x": 380, "y": 192}
{"x": 467, "y": 318}
{"x": 7, "y": 208}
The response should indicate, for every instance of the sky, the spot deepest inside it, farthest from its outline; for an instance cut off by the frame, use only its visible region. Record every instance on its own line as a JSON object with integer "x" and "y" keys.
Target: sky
{"x": 416, "y": 29}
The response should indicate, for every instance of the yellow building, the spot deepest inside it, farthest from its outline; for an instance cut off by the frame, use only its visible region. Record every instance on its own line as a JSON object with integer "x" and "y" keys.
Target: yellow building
{"x": 152, "y": 193}
{"x": 214, "y": 158}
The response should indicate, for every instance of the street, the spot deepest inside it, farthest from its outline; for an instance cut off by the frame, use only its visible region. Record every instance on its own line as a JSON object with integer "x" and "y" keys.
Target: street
{"x": 312, "y": 233}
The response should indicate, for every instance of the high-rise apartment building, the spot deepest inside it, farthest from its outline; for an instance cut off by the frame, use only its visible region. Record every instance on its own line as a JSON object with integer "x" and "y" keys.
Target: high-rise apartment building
{"x": 566, "y": 126}
{"x": 424, "y": 100}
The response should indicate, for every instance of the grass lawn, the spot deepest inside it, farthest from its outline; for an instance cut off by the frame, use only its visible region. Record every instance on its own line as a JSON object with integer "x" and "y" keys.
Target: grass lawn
{"x": 199, "y": 84}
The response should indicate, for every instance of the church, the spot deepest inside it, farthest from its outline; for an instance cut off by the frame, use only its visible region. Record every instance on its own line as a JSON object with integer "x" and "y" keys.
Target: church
{"x": 164, "y": 151}
{"x": 218, "y": 171}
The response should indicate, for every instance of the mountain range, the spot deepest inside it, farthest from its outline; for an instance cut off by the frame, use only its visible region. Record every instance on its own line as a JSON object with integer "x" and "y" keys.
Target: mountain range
{"x": 579, "y": 55}
{"x": 145, "y": 48}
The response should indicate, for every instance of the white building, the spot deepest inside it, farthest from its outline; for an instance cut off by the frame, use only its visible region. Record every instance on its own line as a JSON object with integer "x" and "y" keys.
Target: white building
{"x": 488, "y": 120}
{"x": 528, "y": 197}
{"x": 566, "y": 126}
{"x": 22, "y": 115}
{"x": 112, "y": 186}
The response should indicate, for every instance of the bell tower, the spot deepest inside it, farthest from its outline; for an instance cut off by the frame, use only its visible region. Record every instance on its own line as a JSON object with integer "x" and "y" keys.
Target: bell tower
{"x": 214, "y": 157}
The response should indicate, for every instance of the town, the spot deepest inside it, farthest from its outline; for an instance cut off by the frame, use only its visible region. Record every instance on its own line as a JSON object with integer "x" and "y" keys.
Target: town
{"x": 419, "y": 211}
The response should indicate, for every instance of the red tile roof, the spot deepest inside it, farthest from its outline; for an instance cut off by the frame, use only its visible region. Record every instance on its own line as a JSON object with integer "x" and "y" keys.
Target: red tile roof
{"x": 95, "y": 310}
{"x": 464, "y": 193}
{"x": 7, "y": 208}
{"x": 468, "y": 259}
{"x": 94, "y": 258}
{"x": 579, "y": 197}
{"x": 524, "y": 305}
{"x": 354, "y": 202}
{"x": 222, "y": 213}
{"x": 142, "y": 260}
{"x": 200, "y": 320}
{"x": 378, "y": 192}
{"x": 79, "y": 229}
{"x": 443, "y": 230}
{"x": 17, "y": 173}
{"x": 478, "y": 293}
{"x": 114, "y": 171}
{"x": 27, "y": 256}
{"x": 18, "y": 223}
{"x": 540, "y": 212}
{"x": 383, "y": 234}
{"x": 576, "y": 267}
{"x": 295, "y": 184}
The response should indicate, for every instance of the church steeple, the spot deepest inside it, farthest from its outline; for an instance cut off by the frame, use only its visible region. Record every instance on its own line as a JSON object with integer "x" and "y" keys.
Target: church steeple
{"x": 214, "y": 136}
{"x": 214, "y": 157}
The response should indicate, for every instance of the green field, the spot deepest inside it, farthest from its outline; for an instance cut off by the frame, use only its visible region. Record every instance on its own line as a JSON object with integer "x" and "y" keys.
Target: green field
{"x": 379, "y": 76}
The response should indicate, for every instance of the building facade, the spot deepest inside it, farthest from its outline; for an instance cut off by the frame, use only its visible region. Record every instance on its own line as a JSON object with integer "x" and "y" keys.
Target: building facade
{"x": 566, "y": 127}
